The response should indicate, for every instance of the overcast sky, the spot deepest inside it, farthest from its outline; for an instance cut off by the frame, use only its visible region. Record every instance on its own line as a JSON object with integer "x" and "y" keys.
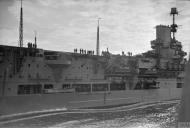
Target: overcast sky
{"x": 126, "y": 25}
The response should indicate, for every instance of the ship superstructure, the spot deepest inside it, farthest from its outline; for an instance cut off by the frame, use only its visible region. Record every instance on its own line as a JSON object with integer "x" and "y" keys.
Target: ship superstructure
{"x": 166, "y": 59}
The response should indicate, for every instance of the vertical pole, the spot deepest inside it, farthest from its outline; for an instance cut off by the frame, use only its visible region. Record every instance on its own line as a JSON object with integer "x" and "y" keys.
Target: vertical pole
{"x": 20, "y": 52}
{"x": 4, "y": 82}
{"x": 108, "y": 87}
{"x": 104, "y": 97}
{"x": 98, "y": 39}
{"x": 90, "y": 87}
{"x": 173, "y": 24}
{"x": 105, "y": 89}
{"x": 35, "y": 40}
{"x": 21, "y": 27}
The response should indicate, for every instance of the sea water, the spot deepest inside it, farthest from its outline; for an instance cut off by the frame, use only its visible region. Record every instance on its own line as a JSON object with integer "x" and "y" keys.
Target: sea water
{"x": 158, "y": 115}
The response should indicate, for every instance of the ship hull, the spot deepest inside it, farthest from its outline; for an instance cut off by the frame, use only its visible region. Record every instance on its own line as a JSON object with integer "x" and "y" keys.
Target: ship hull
{"x": 32, "y": 103}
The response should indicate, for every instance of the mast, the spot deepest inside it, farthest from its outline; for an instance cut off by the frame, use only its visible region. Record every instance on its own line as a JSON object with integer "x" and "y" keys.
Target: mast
{"x": 173, "y": 26}
{"x": 20, "y": 53}
{"x": 98, "y": 39}
{"x": 35, "y": 39}
{"x": 21, "y": 27}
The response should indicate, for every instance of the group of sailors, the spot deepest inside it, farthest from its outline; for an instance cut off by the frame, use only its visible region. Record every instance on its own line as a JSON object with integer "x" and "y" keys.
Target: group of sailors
{"x": 82, "y": 51}
{"x": 31, "y": 45}
{"x": 128, "y": 53}
{"x": 32, "y": 49}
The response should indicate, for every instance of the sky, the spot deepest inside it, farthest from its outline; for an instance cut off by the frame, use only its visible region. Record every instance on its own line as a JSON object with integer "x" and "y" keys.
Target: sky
{"x": 63, "y": 25}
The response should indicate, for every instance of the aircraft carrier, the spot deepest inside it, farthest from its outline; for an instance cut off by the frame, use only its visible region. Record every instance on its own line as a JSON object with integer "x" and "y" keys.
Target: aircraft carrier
{"x": 35, "y": 79}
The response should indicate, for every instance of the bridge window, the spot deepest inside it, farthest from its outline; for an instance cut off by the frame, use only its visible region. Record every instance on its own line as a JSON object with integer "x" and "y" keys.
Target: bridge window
{"x": 117, "y": 86}
{"x": 29, "y": 89}
{"x": 179, "y": 85}
{"x": 99, "y": 87}
{"x": 82, "y": 87}
{"x": 66, "y": 86}
{"x": 48, "y": 86}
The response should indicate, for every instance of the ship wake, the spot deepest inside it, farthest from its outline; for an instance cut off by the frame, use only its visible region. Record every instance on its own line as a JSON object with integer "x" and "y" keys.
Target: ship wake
{"x": 7, "y": 119}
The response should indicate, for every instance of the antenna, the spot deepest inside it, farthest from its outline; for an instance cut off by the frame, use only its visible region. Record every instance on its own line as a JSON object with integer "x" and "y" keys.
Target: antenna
{"x": 174, "y": 26}
{"x": 98, "y": 39}
{"x": 21, "y": 27}
{"x": 35, "y": 39}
